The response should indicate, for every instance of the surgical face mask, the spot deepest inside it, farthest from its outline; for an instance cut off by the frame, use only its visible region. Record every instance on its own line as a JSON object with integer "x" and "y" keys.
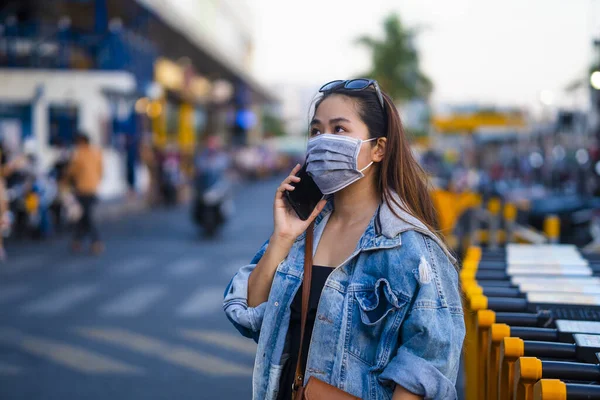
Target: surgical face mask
{"x": 332, "y": 161}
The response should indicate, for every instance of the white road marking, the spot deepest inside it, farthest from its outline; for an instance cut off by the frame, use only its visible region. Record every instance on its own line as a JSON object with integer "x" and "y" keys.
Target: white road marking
{"x": 185, "y": 267}
{"x": 12, "y": 292}
{"x": 204, "y": 301}
{"x": 61, "y": 300}
{"x": 74, "y": 357}
{"x": 221, "y": 339}
{"x": 178, "y": 355}
{"x": 77, "y": 265}
{"x": 233, "y": 267}
{"x": 23, "y": 264}
{"x": 8, "y": 369}
{"x": 135, "y": 301}
{"x": 132, "y": 267}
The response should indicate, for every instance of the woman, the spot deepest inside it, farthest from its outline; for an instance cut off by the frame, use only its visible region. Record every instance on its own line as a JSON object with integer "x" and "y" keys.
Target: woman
{"x": 385, "y": 311}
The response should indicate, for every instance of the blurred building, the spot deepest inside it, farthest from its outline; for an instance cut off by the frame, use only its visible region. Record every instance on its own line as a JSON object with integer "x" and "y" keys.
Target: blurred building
{"x": 119, "y": 69}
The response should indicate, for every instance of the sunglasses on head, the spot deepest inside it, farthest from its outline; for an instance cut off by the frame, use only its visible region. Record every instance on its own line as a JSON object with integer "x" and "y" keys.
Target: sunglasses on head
{"x": 354, "y": 84}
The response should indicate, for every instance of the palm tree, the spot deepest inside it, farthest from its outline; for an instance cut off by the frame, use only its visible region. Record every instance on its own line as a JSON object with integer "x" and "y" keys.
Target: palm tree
{"x": 396, "y": 61}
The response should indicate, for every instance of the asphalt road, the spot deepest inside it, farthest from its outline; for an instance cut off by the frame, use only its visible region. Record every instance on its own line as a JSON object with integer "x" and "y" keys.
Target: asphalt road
{"x": 142, "y": 321}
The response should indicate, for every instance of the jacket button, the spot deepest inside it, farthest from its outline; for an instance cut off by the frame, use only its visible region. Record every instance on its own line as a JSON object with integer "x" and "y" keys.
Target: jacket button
{"x": 276, "y": 304}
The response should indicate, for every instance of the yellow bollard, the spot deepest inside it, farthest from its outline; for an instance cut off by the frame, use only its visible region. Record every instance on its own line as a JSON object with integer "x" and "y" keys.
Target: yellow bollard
{"x": 473, "y": 291}
{"x": 510, "y": 351}
{"x": 494, "y": 205}
{"x": 552, "y": 228}
{"x": 510, "y": 216}
{"x": 470, "y": 265}
{"x": 485, "y": 320}
{"x": 497, "y": 333}
{"x": 473, "y": 253}
{"x": 550, "y": 389}
{"x": 476, "y": 303}
{"x": 528, "y": 370}
{"x": 467, "y": 275}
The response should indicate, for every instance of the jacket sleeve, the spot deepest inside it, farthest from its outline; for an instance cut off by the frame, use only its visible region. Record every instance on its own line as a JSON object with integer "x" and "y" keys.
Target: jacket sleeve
{"x": 247, "y": 320}
{"x": 431, "y": 337}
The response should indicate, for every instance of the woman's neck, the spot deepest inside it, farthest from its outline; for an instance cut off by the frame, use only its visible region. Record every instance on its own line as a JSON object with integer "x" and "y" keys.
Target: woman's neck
{"x": 356, "y": 203}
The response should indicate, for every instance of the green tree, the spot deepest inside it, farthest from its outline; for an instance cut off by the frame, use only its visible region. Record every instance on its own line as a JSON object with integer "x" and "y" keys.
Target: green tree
{"x": 395, "y": 61}
{"x": 272, "y": 124}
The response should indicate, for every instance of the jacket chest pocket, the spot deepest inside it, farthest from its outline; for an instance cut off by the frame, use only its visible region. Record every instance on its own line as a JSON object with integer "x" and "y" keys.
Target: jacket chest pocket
{"x": 376, "y": 315}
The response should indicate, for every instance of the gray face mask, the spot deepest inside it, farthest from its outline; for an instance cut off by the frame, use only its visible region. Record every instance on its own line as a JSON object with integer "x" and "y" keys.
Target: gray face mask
{"x": 332, "y": 161}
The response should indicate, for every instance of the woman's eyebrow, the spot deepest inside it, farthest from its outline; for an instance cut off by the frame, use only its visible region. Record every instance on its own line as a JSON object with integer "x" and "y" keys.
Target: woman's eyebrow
{"x": 337, "y": 120}
{"x": 316, "y": 121}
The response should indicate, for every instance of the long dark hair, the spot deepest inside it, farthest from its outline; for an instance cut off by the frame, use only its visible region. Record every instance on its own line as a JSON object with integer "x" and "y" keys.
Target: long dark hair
{"x": 399, "y": 171}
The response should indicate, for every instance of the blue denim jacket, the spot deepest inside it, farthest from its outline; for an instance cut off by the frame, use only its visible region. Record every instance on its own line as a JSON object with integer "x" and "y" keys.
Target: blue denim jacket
{"x": 391, "y": 314}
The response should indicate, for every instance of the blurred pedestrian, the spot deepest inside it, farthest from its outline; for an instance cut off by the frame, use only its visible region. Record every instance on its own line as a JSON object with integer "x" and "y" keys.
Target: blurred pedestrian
{"x": 85, "y": 170}
{"x": 149, "y": 156}
{"x": 380, "y": 290}
{"x": 211, "y": 163}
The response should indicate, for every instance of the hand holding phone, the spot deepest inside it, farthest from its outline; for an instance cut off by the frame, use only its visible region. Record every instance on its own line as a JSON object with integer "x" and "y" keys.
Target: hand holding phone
{"x": 305, "y": 196}
{"x": 291, "y": 213}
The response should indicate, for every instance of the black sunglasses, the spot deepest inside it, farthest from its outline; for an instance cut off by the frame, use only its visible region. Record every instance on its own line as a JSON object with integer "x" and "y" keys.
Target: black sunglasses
{"x": 354, "y": 84}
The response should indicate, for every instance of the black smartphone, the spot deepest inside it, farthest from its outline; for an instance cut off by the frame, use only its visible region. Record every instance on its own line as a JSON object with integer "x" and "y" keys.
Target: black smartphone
{"x": 306, "y": 195}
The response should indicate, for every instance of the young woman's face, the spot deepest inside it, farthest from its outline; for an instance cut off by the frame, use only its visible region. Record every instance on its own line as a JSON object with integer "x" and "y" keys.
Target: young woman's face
{"x": 338, "y": 114}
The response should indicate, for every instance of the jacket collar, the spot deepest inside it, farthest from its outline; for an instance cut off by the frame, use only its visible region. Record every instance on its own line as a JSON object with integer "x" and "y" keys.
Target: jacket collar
{"x": 385, "y": 228}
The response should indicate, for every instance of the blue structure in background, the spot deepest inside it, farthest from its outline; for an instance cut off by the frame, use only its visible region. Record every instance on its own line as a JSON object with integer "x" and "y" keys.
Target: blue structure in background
{"x": 107, "y": 45}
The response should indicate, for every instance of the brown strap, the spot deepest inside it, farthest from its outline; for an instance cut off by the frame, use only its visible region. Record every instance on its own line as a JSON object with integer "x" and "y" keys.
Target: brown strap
{"x": 308, "y": 253}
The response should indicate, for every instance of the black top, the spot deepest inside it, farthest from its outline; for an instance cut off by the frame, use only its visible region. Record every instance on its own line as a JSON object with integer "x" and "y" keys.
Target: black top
{"x": 319, "y": 276}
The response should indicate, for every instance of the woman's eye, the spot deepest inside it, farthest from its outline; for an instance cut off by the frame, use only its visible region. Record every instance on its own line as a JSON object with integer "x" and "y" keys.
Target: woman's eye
{"x": 339, "y": 129}
{"x": 314, "y": 132}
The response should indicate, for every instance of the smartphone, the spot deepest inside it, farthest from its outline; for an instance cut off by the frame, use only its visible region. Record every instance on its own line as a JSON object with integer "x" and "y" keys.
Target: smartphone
{"x": 306, "y": 195}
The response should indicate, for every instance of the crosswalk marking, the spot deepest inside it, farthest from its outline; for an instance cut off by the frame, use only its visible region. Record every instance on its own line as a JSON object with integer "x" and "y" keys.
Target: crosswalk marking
{"x": 70, "y": 356}
{"x": 135, "y": 301}
{"x": 61, "y": 300}
{"x": 8, "y": 369}
{"x": 233, "y": 267}
{"x": 204, "y": 301}
{"x": 221, "y": 339}
{"x": 23, "y": 264}
{"x": 132, "y": 267}
{"x": 178, "y": 355}
{"x": 185, "y": 267}
{"x": 11, "y": 292}
{"x": 77, "y": 265}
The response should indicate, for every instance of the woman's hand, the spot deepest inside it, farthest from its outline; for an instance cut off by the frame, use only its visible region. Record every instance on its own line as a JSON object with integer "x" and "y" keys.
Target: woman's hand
{"x": 288, "y": 226}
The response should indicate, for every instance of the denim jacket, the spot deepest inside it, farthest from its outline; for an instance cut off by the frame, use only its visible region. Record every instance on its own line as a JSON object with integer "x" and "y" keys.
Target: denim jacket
{"x": 390, "y": 314}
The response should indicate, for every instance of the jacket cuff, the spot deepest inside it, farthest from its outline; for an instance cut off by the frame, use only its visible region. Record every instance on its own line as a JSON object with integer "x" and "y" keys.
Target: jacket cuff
{"x": 255, "y": 316}
{"x": 418, "y": 376}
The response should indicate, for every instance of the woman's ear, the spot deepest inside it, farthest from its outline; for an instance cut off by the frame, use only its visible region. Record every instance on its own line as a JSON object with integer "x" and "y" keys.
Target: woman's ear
{"x": 378, "y": 151}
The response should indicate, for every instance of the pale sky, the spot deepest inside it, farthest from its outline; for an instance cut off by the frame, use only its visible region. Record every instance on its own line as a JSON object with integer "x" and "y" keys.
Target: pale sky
{"x": 495, "y": 51}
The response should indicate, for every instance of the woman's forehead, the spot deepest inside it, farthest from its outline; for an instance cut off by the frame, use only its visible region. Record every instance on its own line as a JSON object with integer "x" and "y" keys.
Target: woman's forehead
{"x": 336, "y": 106}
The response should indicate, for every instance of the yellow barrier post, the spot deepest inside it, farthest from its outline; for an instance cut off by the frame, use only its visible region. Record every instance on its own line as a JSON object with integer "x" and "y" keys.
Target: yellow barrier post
{"x": 476, "y": 303}
{"x": 471, "y": 289}
{"x": 510, "y": 350}
{"x": 485, "y": 320}
{"x": 497, "y": 333}
{"x": 510, "y": 217}
{"x": 528, "y": 370}
{"x": 494, "y": 207}
{"x": 550, "y": 389}
{"x": 552, "y": 228}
